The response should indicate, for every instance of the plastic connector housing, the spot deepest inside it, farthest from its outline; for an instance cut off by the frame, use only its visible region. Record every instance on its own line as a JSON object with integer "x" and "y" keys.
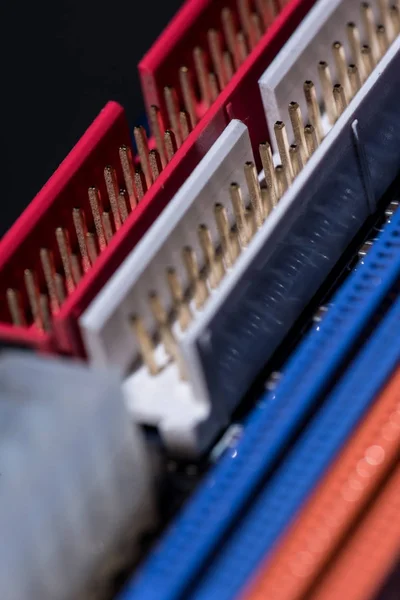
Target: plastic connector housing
{"x": 75, "y": 479}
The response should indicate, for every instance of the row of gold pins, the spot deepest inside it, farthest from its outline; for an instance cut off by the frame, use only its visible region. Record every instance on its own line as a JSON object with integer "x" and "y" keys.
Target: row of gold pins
{"x": 228, "y": 48}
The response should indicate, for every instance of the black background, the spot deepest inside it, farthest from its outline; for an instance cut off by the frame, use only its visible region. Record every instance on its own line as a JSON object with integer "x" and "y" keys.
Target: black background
{"x": 61, "y": 62}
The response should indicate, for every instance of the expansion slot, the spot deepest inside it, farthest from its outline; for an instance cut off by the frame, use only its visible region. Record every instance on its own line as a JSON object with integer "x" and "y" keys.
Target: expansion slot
{"x": 335, "y": 505}
{"x": 271, "y": 426}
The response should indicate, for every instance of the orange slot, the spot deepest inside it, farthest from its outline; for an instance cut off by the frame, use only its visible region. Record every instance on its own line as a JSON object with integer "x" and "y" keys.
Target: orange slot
{"x": 322, "y": 524}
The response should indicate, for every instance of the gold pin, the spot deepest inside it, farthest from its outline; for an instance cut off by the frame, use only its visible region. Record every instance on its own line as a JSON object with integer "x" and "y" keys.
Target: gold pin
{"x": 296, "y": 120}
{"x": 80, "y": 228}
{"x": 65, "y": 253}
{"x": 166, "y": 335}
{"x": 383, "y": 41}
{"x": 155, "y": 164}
{"x": 368, "y": 60}
{"x": 15, "y": 308}
{"x": 112, "y": 190}
{"x": 108, "y": 231}
{"x": 229, "y": 29}
{"x": 240, "y": 216}
{"x": 157, "y": 128}
{"x": 256, "y": 28}
{"x": 199, "y": 286}
{"x": 202, "y": 75}
{"x": 229, "y": 241}
{"x": 341, "y": 68}
{"x": 60, "y": 287}
{"x": 327, "y": 86}
{"x": 296, "y": 159}
{"x": 189, "y": 99}
{"x": 94, "y": 200}
{"x": 170, "y": 144}
{"x": 353, "y": 35}
{"x": 394, "y": 13}
{"x": 140, "y": 183}
{"x": 283, "y": 147}
{"x": 266, "y": 8}
{"x": 32, "y": 290}
{"x": 311, "y": 139}
{"x": 172, "y": 105}
{"x": 145, "y": 343}
{"x": 370, "y": 28}
{"x": 254, "y": 192}
{"x": 314, "y": 114}
{"x": 214, "y": 91}
{"x": 282, "y": 183}
{"x": 384, "y": 13}
{"x": 123, "y": 205}
{"x": 269, "y": 171}
{"x": 126, "y": 160}
{"x": 228, "y": 66}
{"x": 266, "y": 200}
{"x": 214, "y": 42}
{"x": 185, "y": 124}
{"x": 76, "y": 268}
{"x": 182, "y": 309}
{"x": 354, "y": 78}
{"x": 214, "y": 263}
{"x": 340, "y": 98}
{"x": 45, "y": 312}
{"x": 47, "y": 260}
{"x": 245, "y": 20}
{"x": 143, "y": 152}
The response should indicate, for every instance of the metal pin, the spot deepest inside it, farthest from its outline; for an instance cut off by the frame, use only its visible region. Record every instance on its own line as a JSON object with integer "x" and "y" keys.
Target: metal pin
{"x": 354, "y": 78}
{"x": 241, "y": 46}
{"x": 228, "y": 66}
{"x": 283, "y": 147}
{"x": 145, "y": 344}
{"x": 202, "y": 75}
{"x": 229, "y": 242}
{"x": 32, "y": 289}
{"x": 394, "y": 12}
{"x": 143, "y": 152}
{"x": 189, "y": 99}
{"x": 140, "y": 183}
{"x": 172, "y": 105}
{"x": 123, "y": 205}
{"x": 214, "y": 262}
{"x": 370, "y": 28}
{"x": 15, "y": 308}
{"x": 269, "y": 171}
{"x": 184, "y": 120}
{"x": 266, "y": 8}
{"x": 167, "y": 337}
{"x": 254, "y": 192}
{"x": 199, "y": 286}
{"x": 80, "y": 228}
{"x": 182, "y": 309}
{"x": 256, "y": 28}
{"x": 92, "y": 248}
{"x": 314, "y": 114}
{"x": 245, "y": 20}
{"x": 94, "y": 200}
{"x": 170, "y": 144}
{"x": 368, "y": 60}
{"x": 76, "y": 268}
{"x": 296, "y": 159}
{"x": 266, "y": 200}
{"x": 311, "y": 139}
{"x": 282, "y": 183}
{"x": 296, "y": 120}
{"x": 383, "y": 41}
{"x": 108, "y": 230}
{"x": 384, "y": 13}
{"x": 65, "y": 253}
{"x": 47, "y": 260}
{"x": 340, "y": 98}
{"x": 353, "y": 35}
{"x": 45, "y": 312}
{"x": 240, "y": 216}
{"x": 229, "y": 29}
{"x": 112, "y": 190}
{"x": 155, "y": 164}
{"x": 157, "y": 128}
{"x": 214, "y": 91}
{"x": 326, "y": 85}
{"x": 214, "y": 42}
{"x": 59, "y": 283}
{"x": 341, "y": 68}
{"x": 126, "y": 160}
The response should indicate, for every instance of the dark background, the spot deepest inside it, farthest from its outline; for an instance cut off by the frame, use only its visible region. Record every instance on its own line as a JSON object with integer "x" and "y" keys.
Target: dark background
{"x": 61, "y": 62}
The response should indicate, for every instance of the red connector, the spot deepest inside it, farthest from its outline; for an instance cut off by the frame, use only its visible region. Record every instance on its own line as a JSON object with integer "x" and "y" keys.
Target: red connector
{"x": 61, "y": 251}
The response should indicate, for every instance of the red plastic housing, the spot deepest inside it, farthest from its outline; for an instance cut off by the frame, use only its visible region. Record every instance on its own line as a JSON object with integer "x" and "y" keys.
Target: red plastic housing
{"x": 99, "y": 146}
